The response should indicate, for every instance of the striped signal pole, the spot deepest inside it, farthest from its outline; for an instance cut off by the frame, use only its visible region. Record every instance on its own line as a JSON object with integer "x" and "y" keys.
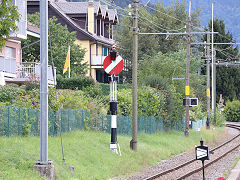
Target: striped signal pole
{"x": 113, "y": 109}
{"x": 113, "y": 65}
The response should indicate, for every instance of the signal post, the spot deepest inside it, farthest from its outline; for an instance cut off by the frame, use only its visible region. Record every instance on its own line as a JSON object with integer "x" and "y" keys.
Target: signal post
{"x": 113, "y": 65}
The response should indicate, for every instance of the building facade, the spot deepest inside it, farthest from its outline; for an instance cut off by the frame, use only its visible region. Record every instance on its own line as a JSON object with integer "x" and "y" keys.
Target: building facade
{"x": 93, "y": 24}
{"x": 13, "y": 69}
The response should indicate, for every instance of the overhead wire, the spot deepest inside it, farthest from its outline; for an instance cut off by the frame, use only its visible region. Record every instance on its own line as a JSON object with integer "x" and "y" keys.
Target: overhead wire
{"x": 112, "y": 4}
{"x": 224, "y": 36}
{"x": 229, "y": 54}
{"x": 185, "y": 22}
{"x": 153, "y": 23}
{"x": 143, "y": 21}
{"x": 164, "y": 28}
{"x": 124, "y": 10}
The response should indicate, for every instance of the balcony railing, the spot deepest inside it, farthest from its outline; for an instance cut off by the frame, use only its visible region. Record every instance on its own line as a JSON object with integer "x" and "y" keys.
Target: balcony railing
{"x": 97, "y": 61}
{"x": 30, "y": 69}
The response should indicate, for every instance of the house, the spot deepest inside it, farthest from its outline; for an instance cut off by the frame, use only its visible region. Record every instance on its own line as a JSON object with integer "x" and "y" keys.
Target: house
{"x": 12, "y": 67}
{"x": 93, "y": 23}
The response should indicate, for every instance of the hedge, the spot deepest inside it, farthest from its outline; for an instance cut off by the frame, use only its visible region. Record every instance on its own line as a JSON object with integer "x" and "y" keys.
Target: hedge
{"x": 74, "y": 83}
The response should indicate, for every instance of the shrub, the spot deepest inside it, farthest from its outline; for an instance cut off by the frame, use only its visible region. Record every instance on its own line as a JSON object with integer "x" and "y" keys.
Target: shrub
{"x": 74, "y": 83}
{"x": 232, "y": 111}
{"x": 106, "y": 87}
{"x": 220, "y": 118}
{"x": 173, "y": 109}
{"x": 9, "y": 93}
{"x": 93, "y": 91}
{"x": 31, "y": 86}
{"x": 150, "y": 102}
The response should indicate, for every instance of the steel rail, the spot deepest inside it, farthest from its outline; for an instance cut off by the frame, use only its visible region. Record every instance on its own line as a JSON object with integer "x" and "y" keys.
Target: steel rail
{"x": 193, "y": 160}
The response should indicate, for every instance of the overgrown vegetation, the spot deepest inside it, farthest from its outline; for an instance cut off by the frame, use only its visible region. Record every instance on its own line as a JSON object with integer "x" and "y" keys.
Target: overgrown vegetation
{"x": 232, "y": 111}
{"x": 74, "y": 83}
{"x": 90, "y": 97}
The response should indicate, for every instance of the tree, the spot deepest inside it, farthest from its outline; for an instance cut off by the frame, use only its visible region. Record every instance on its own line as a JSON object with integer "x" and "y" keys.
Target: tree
{"x": 9, "y": 16}
{"x": 227, "y": 78}
{"x": 158, "y": 73}
{"x": 155, "y": 19}
{"x": 61, "y": 38}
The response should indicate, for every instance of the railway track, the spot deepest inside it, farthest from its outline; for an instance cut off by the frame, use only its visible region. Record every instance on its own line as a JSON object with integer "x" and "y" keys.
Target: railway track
{"x": 192, "y": 166}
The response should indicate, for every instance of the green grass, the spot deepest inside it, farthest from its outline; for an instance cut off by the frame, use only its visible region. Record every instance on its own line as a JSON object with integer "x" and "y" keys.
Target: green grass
{"x": 89, "y": 153}
{"x": 235, "y": 162}
{"x": 226, "y": 174}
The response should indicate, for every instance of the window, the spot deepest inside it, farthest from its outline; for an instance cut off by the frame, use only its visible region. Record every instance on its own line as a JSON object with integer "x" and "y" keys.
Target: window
{"x": 104, "y": 51}
{"x": 10, "y": 53}
{"x": 96, "y": 49}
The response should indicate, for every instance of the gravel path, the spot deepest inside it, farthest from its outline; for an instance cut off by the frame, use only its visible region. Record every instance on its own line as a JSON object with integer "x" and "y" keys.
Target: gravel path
{"x": 219, "y": 169}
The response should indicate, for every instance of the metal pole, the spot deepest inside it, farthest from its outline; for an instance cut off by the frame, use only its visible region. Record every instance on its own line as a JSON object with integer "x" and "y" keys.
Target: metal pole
{"x": 214, "y": 86}
{"x": 43, "y": 82}
{"x": 133, "y": 142}
{"x": 203, "y": 170}
{"x": 213, "y": 76}
{"x": 187, "y": 89}
{"x": 208, "y": 83}
{"x": 212, "y": 62}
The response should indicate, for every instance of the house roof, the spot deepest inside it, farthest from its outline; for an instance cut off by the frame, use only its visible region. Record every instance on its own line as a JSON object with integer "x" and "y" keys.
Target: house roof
{"x": 33, "y": 28}
{"x": 93, "y": 37}
{"x": 112, "y": 13}
{"x": 77, "y": 7}
{"x": 82, "y": 8}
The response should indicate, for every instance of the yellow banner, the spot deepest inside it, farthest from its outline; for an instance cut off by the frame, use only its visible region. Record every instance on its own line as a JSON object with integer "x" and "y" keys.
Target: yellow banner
{"x": 208, "y": 92}
{"x": 66, "y": 66}
{"x": 187, "y": 90}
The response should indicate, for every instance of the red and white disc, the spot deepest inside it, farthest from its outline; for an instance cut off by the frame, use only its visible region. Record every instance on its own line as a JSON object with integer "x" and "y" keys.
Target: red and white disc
{"x": 113, "y": 67}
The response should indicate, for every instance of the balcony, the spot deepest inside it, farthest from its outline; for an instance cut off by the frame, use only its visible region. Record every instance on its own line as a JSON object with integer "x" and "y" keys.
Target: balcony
{"x": 22, "y": 73}
{"x": 27, "y": 69}
{"x": 97, "y": 62}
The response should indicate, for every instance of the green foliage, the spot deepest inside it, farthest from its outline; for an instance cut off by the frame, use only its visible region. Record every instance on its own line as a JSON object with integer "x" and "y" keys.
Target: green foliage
{"x": 61, "y": 38}
{"x": 158, "y": 73}
{"x": 173, "y": 109}
{"x": 9, "y": 93}
{"x": 220, "y": 118}
{"x": 31, "y": 86}
{"x": 166, "y": 66}
{"x": 196, "y": 113}
{"x": 150, "y": 102}
{"x": 9, "y": 15}
{"x": 153, "y": 21}
{"x": 74, "y": 83}
{"x": 26, "y": 127}
{"x": 106, "y": 87}
{"x": 232, "y": 111}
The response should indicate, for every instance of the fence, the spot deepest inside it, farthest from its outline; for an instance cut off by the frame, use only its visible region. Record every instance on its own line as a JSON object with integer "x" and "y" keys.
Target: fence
{"x": 198, "y": 124}
{"x": 19, "y": 122}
